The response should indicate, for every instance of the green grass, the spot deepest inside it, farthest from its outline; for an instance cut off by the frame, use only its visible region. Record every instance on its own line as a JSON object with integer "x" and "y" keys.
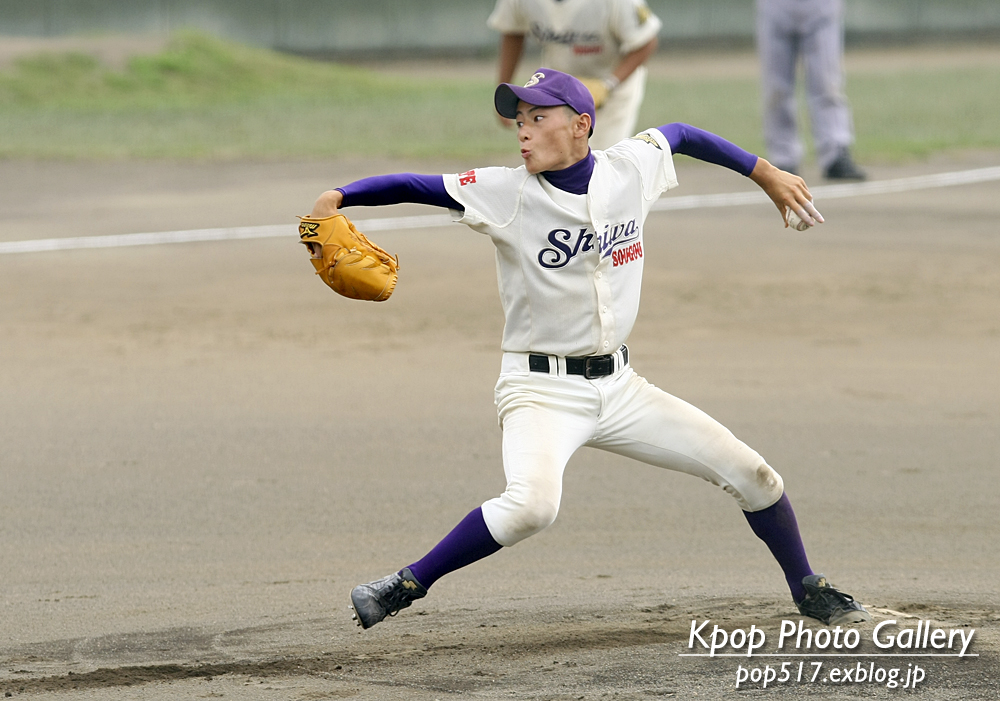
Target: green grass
{"x": 203, "y": 98}
{"x": 729, "y": 108}
{"x": 896, "y": 116}
{"x": 918, "y": 113}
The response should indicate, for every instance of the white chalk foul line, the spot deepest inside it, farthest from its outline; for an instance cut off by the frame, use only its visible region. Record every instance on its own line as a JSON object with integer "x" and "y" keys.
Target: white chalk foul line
{"x": 227, "y": 234}
{"x": 834, "y": 192}
{"x": 728, "y": 199}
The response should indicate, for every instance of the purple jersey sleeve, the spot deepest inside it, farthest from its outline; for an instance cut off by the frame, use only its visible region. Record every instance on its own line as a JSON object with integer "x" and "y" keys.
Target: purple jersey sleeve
{"x": 397, "y": 188}
{"x": 706, "y": 146}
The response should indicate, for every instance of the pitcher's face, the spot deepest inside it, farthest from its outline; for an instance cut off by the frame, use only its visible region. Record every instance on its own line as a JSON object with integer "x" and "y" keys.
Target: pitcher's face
{"x": 549, "y": 136}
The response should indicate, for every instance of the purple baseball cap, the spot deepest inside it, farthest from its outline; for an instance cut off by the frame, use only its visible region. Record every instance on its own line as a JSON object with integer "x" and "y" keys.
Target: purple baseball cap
{"x": 546, "y": 88}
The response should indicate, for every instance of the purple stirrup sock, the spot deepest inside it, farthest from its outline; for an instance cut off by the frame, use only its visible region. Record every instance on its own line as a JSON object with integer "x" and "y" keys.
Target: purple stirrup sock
{"x": 777, "y": 527}
{"x": 469, "y": 541}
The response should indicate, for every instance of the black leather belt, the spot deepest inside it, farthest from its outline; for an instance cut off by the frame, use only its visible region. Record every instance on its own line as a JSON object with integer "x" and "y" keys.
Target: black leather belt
{"x": 589, "y": 366}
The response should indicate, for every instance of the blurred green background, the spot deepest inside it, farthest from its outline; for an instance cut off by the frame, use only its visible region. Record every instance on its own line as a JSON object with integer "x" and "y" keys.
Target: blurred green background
{"x": 202, "y": 97}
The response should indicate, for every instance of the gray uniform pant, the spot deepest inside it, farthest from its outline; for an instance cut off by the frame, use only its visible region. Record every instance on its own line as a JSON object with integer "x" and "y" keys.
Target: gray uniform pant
{"x": 814, "y": 30}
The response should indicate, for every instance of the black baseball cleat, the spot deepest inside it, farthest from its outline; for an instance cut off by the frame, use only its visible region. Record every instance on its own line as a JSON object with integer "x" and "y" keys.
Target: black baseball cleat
{"x": 825, "y": 603}
{"x": 374, "y": 601}
{"x": 844, "y": 168}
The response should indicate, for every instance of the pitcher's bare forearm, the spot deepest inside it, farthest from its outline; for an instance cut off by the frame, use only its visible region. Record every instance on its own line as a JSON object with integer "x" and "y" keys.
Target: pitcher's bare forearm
{"x": 786, "y": 190}
{"x": 327, "y": 204}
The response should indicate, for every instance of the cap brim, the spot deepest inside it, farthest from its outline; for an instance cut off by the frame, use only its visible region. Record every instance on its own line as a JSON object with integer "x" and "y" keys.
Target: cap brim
{"x": 507, "y": 96}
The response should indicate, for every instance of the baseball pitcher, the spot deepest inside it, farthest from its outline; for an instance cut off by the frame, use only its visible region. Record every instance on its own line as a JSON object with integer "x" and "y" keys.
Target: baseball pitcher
{"x": 568, "y": 226}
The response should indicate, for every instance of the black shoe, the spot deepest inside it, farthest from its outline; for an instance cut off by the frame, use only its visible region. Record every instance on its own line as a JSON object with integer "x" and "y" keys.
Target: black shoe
{"x": 374, "y": 601}
{"x": 844, "y": 168}
{"x": 823, "y": 602}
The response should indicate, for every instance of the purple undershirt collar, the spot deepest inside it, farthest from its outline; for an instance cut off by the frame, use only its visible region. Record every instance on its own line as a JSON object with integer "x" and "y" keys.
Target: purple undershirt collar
{"x": 576, "y": 178}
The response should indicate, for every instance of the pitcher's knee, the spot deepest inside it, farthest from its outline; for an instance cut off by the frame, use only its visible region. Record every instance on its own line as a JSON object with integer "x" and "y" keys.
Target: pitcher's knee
{"x": 512, "y": 517}
{"x": 760, "y": 488}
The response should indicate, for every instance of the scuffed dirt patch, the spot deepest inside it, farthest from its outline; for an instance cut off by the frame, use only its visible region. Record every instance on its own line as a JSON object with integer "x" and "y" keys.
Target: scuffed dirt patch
{"x": 567, "y": 653}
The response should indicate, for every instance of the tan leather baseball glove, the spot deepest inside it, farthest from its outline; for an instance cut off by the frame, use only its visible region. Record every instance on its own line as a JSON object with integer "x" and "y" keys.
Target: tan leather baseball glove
{"x": 347, "y": 261}
{"x": 599, "y": 90}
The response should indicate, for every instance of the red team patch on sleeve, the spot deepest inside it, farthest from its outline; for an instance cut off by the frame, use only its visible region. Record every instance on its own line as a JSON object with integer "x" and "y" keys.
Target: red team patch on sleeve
{"x": 627, "y": 254}
{"x": 467, "y": 177}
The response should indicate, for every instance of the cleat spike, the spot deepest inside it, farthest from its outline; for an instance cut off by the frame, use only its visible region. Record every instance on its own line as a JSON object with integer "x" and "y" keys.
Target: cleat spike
{"x": 375, "y": 601}
{"x": 829, "y": 605}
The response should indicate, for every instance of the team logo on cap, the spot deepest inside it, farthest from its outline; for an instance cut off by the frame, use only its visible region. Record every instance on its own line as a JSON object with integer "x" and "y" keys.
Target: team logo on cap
{"x": 533, "y": 80}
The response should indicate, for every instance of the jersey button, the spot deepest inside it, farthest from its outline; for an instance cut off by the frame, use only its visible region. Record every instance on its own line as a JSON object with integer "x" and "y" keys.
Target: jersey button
{"x": 599, "y": 274}
{"x": 604, "y": 309}
{"x": 606, "y": 344}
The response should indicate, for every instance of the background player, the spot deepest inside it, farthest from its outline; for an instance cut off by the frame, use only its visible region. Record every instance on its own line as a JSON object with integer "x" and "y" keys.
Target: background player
{"x": 814, "y": 31}
{"x": 568, "y": 229}
{"x": 602, "y": 42}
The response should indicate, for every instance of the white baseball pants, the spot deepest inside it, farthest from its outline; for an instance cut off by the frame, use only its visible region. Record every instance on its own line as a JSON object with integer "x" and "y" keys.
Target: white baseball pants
{"x": 546, "y": 417}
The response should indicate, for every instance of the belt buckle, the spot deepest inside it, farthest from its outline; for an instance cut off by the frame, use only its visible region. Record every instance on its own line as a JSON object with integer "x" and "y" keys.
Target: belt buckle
{"x": 604, "y": 365}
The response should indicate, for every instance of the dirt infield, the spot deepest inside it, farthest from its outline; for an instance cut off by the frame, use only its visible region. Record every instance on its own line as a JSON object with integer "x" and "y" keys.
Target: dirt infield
{"x": 204, "y": 449}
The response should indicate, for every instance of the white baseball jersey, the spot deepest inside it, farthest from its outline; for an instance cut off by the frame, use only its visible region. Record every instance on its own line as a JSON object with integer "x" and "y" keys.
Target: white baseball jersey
{"x": 569, "y": 267}
{"x": 580, "y": 37}
{"x": 588, "y": 38}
